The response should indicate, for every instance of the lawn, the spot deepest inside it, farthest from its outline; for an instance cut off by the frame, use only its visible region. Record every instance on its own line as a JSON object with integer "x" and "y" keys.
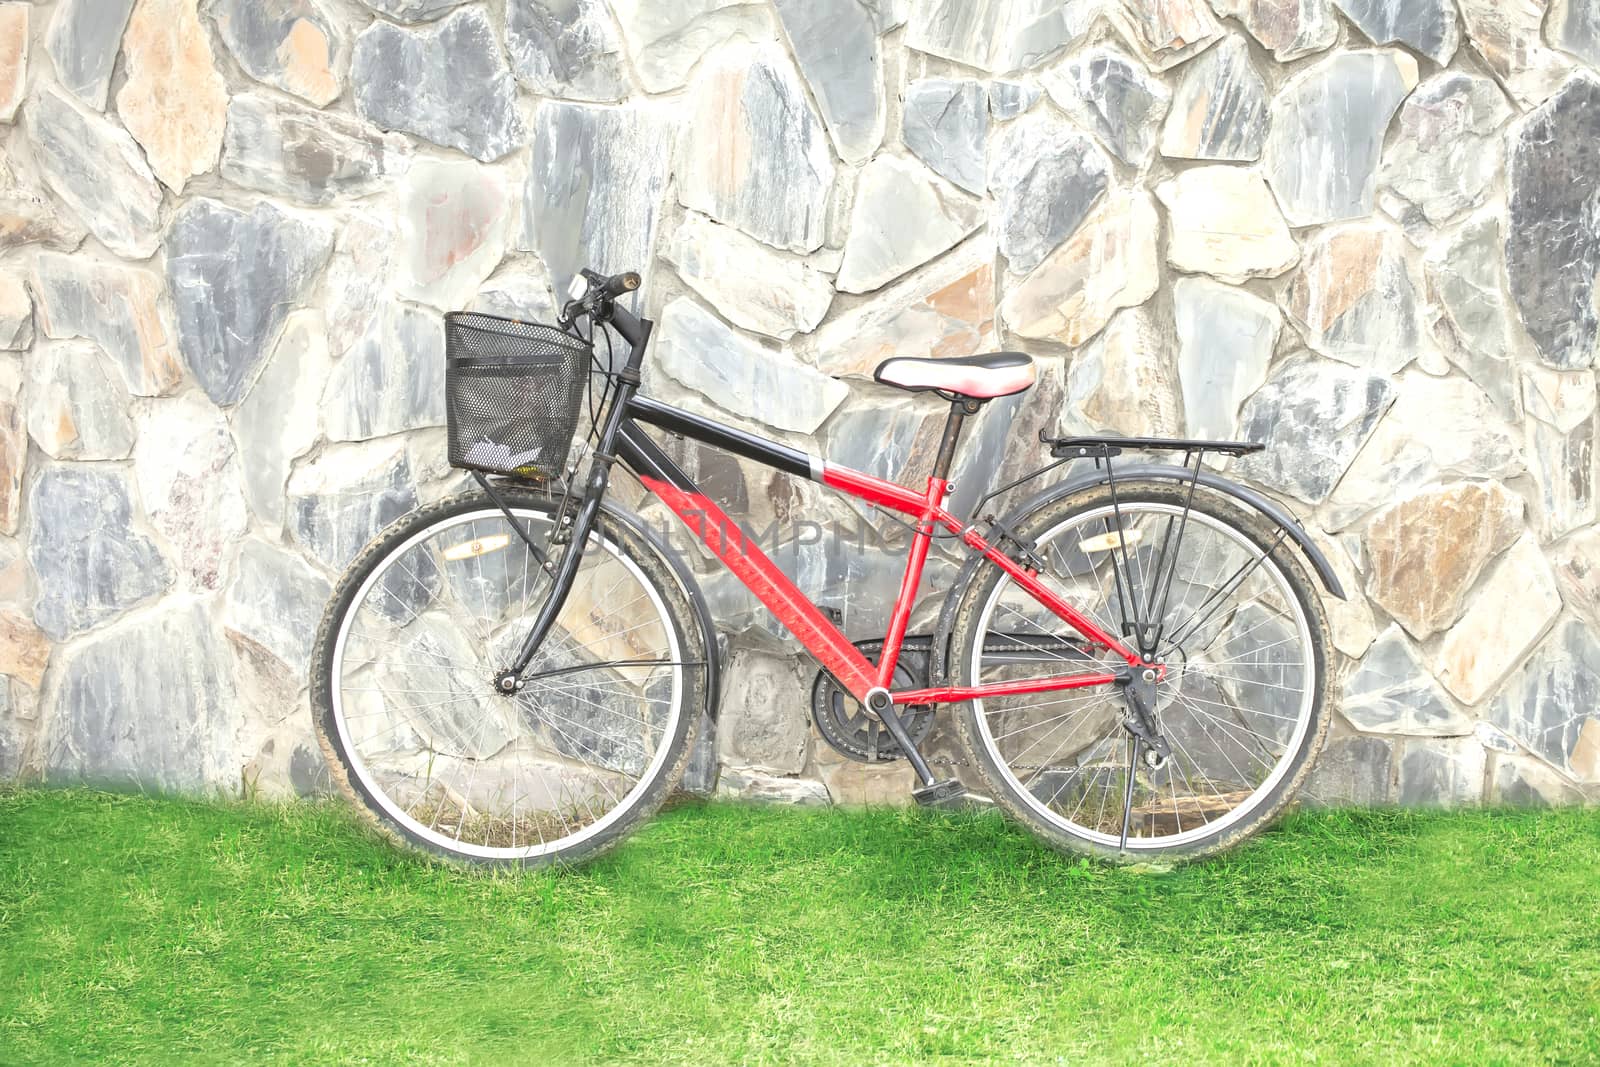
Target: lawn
{"x": 137, "y": 929}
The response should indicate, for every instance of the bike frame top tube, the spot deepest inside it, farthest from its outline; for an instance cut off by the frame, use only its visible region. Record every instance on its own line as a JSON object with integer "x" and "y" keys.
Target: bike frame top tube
{"x": 727, "y": 540}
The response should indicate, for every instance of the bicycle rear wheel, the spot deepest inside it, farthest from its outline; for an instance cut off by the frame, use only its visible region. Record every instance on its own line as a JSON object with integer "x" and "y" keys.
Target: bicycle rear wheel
{"x": 1243, "y": 707}
{"x": 418, "y": 735}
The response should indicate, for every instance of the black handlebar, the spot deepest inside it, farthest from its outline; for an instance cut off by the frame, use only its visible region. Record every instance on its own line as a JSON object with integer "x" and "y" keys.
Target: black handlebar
{"x": 614, "y": 285}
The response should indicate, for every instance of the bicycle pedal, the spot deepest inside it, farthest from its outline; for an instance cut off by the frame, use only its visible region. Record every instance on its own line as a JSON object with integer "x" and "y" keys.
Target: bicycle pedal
{"x": 949, "y": 793}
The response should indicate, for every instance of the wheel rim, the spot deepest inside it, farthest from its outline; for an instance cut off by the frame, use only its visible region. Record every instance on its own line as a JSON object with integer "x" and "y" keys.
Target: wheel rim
{"x": 1220, "y": 749}
{"x": 580, "y": 746}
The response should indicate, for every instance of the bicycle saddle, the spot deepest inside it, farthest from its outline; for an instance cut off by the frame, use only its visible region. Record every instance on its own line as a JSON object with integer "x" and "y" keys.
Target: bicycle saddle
{"x": 974, "y": 377}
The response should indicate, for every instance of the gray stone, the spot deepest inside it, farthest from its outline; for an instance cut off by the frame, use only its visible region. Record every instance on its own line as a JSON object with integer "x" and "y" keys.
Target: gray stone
{"x": 1355, "y": 299}
{"x": 28, "y": 216}
{"x": 188, "y": 473}
{"x": 14, "y": 737}
{"x": 1226, "y": 337}
{"x": 1447, "y": 152}
{"x": 1328, "y": 125}
{"x": 83, "y": 41}
{"x": 1438, "y": 428}
{"x": 594, "y": 188}
{"x": 765, "y": 725}
{"x": 412, "y": 10}
{"x": 392, "y": 380}
{"x": 1352, "y": 772}
{"x": 752, "y": 286}
{"x": 278, "y": 421}
{"x": 700, "y": 773}
{"x": 754, "y": 155}
{"x": 1561, "y": 428}
{"x": 519, "y": 292}
{"x": 276, "y": 600}
{"x": 1219, "y": 109}
{"x": 16, "y": 314}
{"x": 998, "y": 36}
{"x": 1442, "y": 774}
{"x": 274, "y": 146}
{"x": 1513, "y": 606}
{"x": 1425, "y": 26}
{"x": 1552, "y": 703}
{"x": 836, "y": 45}
{"x": 448, "y": 84}
{"x": 566, "y": 48}
{"x": 946, "y": 124}
{"x": 1574, "y": 26}
{"x": 119, "y": 308}
{"x": 1223, "y": 221}
{"x": 1288, "y": 28}
{"x": 453, "y": 221}
{"x": 1106, "y": 92}
{"x": 91, "y": 564}
{"x": 1577, "y": 565}
{"x": 1494, "y": 739}
{"x": 308, "y": 773}
{"x": 1506, "y": 34}
{"x": 358, "y": 277}
{"x": 1391, "y": 693}
{"x": 288, "y": 44}
{"x": 1553, "y": 229}
{"x": 98, "y": 171}
{"x": 146, "y": 703}
{"x": 1314, "y": 415}
{"x": 903, "y": 216}
{"x": 1166, "y": 32}
{"x": 750, "y": 785}
{"x": 1045, "y": 177}
{"x": 346, "y": 495}
{"x": 886, "y": 436}
{"x": 1108, "y": 263}
{"x": 1477, "y": 327}
{"x": 235, "y": 277}
{"x": 1525, "y": 783}
{"x": 693, "y": 347}
{"x": 75, "y": 411}
{"x": 1008, "y": 99}
{"x": 668, "y": 40}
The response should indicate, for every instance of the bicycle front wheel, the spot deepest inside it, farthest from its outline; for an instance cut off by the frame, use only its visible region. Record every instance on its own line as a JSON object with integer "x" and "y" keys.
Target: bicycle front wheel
{"x": 1243, "y": 706}
{"x": 420, "y": 737}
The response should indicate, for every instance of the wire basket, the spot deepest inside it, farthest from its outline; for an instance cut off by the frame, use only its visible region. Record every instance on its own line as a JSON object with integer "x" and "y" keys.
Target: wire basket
{"x": 513, "y": 391}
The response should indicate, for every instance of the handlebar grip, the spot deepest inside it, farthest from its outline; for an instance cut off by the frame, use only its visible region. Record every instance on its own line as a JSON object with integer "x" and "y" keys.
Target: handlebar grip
{"x": 618, "y": 284}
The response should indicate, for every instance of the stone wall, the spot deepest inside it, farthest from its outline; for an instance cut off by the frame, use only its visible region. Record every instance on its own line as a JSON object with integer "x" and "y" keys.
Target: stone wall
{"x": 1366, "y": 232}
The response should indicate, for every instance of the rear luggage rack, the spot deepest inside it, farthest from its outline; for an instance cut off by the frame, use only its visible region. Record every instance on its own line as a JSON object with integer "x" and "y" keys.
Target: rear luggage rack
{"x": 1103, "y": 447}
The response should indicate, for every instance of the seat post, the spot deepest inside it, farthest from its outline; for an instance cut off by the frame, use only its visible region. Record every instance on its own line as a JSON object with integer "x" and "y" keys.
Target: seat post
{"x": 959, "y": 410}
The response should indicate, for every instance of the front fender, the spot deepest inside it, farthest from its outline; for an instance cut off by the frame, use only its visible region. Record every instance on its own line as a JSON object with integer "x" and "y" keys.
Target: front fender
{"x": 1087, "y": 479}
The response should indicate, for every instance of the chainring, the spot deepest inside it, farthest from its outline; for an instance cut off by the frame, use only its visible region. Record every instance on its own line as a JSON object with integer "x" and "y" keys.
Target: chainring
{"x": 845, "y": 724}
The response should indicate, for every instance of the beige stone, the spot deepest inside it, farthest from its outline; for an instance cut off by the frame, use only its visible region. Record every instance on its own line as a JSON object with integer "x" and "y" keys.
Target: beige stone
{"x": 1108, "y": 263}
{"x": 174, "y": 102}
{"x": 946, "y": 310}
{"x": 24, "y": 649}
{"x": 1577, "y": 565}
{"x": 13, "y": 445}
{"x": 14, "y": 20}
{"x": 1513, "y": 606}
{"x": 1506, "y": 34}
{"x": 117, "y": 307}
{"x": 1223, "y": 221}
{"x": 1424, "y": 552}
{"x": 1123, "y": 381}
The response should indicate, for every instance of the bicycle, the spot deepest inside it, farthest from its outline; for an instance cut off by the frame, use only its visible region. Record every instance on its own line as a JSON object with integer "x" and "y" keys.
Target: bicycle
{"x": 1135, "y": 656}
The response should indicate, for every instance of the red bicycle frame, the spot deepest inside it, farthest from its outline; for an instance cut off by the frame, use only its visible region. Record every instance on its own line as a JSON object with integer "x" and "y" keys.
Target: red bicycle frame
{"x": 729, "y": 542}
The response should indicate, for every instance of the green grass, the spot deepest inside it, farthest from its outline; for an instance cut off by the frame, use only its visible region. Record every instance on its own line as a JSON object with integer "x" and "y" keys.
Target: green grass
{"x": 135, "y": 929}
